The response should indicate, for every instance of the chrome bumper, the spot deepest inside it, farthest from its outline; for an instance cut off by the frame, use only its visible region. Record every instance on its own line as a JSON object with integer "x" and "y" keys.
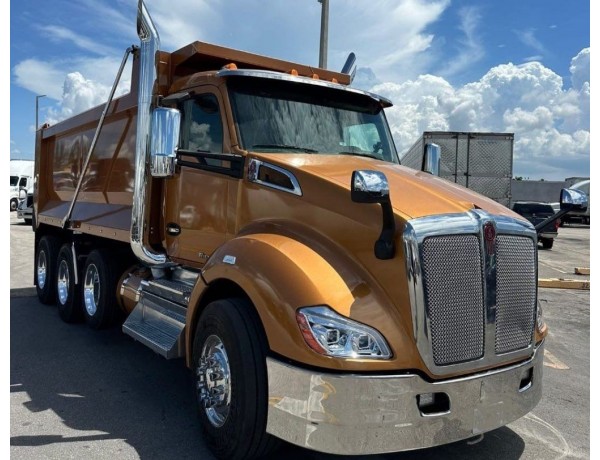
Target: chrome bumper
{"x": 353, "y": 414}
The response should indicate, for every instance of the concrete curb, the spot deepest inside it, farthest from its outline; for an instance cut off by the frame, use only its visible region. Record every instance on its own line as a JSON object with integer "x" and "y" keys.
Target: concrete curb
{"x": 23, "y": 292}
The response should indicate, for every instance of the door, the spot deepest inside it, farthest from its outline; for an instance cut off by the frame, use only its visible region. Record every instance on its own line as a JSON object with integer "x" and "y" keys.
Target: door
{"x": 198, "y": 199}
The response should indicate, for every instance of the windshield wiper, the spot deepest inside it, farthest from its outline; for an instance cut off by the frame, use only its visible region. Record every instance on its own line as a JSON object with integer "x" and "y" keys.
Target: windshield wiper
{"x": 284, "y": 147}
{"x": 361, "y": 154}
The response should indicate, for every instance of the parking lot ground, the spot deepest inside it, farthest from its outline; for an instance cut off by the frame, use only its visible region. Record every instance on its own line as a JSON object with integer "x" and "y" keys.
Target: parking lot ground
{"x": 77, "y": 393}
{"x": 571, "y": 249}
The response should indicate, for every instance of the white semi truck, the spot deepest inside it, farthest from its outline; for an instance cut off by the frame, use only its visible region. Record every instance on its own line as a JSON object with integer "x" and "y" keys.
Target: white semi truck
{"x": 21, "y": 180}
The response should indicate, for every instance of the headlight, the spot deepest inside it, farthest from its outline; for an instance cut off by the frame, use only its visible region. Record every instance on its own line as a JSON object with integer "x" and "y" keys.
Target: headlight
{"x": 331, "y": 334}
{"x": 540, "y": 320}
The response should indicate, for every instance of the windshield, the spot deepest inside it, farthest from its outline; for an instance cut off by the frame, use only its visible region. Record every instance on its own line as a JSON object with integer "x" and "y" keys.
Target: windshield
{"x": 14, "y": 180}
{"x": 284, "y": 117}
{"x": 533, "y": 208}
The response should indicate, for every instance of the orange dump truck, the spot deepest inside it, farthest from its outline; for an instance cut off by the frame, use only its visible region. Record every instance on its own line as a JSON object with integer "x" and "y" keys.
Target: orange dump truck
{"x": 251, "y": 215}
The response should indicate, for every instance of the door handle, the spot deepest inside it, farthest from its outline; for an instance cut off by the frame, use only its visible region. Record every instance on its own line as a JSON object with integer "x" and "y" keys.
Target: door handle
{"x": 173, "y": 229}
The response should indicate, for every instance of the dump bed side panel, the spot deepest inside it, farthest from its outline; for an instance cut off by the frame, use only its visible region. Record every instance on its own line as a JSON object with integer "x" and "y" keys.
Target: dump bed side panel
{"x": 105, "y": 200}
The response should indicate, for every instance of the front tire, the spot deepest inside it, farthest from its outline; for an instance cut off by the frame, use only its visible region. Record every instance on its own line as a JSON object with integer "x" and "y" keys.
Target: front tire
{"x": 13, "y": 204}
{"x": 45, "y": 268}
{"x": 99, "y": 289}
{"x": 229, "y": 361}
{"x": 68, "y": 294}
{"x": 547, "y": 243}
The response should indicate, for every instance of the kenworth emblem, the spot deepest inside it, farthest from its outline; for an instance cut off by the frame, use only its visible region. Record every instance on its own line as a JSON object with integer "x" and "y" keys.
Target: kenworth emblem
{"x": 489, "y": 235}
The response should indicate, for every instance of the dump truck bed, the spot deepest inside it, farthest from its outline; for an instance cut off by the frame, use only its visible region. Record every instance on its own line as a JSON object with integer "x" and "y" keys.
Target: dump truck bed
{"x": 104, "y": 203}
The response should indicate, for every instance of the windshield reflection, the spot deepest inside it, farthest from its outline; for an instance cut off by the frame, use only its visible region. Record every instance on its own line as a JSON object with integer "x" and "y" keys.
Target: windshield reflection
{"x": 286, "y": 117}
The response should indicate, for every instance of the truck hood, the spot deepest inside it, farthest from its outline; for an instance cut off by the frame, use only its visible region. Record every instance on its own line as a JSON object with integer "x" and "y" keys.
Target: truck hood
{"x": 413, "y": 193}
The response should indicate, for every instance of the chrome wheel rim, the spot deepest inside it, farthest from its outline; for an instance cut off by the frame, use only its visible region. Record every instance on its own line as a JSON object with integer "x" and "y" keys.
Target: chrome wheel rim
{"x": 41, "y": 269}
{"x": 63, "y": 282}
{"x": 214, "y": 381}
{"x": 91, "y": 289}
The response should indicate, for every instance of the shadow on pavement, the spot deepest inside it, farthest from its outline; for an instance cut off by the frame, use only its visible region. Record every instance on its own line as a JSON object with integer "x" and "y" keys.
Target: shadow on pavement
{"x": 105, "y": 382}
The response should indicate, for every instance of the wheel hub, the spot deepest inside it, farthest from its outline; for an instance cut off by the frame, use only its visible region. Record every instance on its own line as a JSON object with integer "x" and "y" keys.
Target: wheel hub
{"x": 214, "y": 381}
{"x": 91, "y": 289}
{"x": 41, "y": 269}
{"x": 63, "y": 282}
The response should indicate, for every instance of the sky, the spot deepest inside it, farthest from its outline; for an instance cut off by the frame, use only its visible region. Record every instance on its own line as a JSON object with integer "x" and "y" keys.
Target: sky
{"x": 451, "y": 65}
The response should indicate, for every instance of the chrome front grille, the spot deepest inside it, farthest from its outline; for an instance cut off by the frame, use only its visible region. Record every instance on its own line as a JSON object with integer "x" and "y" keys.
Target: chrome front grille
{"x": 473, "y": 289}
{"x": 452, "y": 276}
{"x": 515, "y": 292}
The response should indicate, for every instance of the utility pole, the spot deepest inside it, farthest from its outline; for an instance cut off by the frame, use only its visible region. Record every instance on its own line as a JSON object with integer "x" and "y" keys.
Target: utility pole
{"x": 324, "y": 33}
{"x": 37, "y": 98}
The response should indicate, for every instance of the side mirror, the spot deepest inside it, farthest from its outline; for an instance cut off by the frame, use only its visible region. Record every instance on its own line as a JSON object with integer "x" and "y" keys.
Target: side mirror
{"x": 372, "y": 187}
{"x": 573, "y": 200}
{"x": 164, "y": 139}
{"x": 431, "y": 162}
{"x": 369, "y": 187}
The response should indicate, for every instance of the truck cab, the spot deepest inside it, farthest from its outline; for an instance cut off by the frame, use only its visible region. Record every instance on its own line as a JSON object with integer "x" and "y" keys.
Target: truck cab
{"x": 18, "y": 189}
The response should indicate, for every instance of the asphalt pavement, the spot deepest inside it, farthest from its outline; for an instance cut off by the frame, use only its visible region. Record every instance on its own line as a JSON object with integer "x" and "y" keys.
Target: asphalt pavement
{"x": 78, "y": 393}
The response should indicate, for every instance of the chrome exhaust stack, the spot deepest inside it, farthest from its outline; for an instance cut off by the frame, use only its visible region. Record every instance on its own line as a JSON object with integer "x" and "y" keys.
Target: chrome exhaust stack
{"x": 149, "y": 47}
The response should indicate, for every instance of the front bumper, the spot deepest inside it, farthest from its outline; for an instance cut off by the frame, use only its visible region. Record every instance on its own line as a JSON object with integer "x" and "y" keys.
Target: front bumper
{"x": 355, "y": 414}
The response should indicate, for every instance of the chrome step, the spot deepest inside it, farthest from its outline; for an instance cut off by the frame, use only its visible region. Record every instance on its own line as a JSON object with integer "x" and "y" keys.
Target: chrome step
{"x": 175, "y": 291}
{"x": 158, "y": 323}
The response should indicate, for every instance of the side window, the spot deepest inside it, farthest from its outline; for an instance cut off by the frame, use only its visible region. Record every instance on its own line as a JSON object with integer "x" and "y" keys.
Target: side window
{"x": 23, "y": 182}
{"x": 203, "y": 129}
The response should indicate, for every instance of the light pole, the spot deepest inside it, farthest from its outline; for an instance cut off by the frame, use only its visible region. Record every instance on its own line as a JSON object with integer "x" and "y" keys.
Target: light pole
{"x": 324, "y": 33}
{"x": 37, "y": 98}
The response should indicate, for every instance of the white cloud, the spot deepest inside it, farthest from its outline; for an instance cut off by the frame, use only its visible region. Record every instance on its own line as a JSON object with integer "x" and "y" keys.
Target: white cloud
{"x": 176, "y": 29}
{"x": 580, "y": 68}
{"x": 48, "y": 77}
{"x": 535, "y": 57}
{"x": 528, "y": 38}
{"x": 389, "y": 36}
{"x": 80, "y": 94}
{"x": 39, "y": 77}
{"x": 470, "y": 47}
{"x": 550, "y": 122}
{"x": 58, "y": 34}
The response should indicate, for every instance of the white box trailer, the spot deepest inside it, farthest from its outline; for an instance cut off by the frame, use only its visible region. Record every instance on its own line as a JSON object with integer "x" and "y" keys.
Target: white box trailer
{"x": 482, "y": 162}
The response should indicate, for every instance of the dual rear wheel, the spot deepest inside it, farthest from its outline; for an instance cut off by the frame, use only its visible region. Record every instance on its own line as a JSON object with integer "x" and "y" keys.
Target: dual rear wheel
{"x": 89, "y": 293}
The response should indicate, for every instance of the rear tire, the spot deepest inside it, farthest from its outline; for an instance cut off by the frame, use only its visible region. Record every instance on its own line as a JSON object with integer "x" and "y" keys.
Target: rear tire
{"x": 45, "y": 268}
{"x": 229, "y": 343}
{"x": 99, "y": 287}
{"x": 547, "y": 243}
{"x": 68, "y": 294}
